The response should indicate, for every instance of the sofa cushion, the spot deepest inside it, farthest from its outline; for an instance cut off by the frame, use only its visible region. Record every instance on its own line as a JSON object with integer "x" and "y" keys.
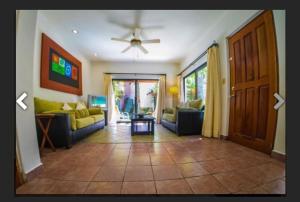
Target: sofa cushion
{"x": 197, "y": 104}
{"x": 169, "y": 117}
{"x": 182, "y": 104}
{"x": 81, "y": 113}
{"x": 97, "y": 117}
{"x": 70, "y": 112}
{"x": 84, "y": 122}
{"x": 72, "y": 105}
{"x": 169, "y": 110}
{"x": 94, "y": 111}
{"x": 41, "y": 105}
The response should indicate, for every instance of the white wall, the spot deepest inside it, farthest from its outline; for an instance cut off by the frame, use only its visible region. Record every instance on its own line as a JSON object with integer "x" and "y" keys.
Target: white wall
{"x": 98, "y": 68}
{"x": 28, "y": 49}
{"x": 229, "y": 23}
{"x": 279, "y": 18}
{"x": 25, "y": 124}
{"x": 50, "y": 29}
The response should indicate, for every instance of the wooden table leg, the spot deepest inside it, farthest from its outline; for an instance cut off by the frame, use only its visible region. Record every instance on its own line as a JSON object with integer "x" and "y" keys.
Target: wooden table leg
{"x": 152, "y": 127}
{"x": 132, "y": 127}
{"x": 45, "y": 135}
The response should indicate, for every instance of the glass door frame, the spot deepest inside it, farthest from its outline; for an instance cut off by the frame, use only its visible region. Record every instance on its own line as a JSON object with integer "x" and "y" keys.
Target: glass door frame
{"x": 135, "y": 88}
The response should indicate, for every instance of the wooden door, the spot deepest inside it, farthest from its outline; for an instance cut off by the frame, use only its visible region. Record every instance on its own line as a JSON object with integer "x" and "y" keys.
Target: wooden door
{"x": 253, "y": 77}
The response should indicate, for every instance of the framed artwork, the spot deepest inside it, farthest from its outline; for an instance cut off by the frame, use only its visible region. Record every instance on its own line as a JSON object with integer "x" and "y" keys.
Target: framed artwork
{"x": 59, "y": 69}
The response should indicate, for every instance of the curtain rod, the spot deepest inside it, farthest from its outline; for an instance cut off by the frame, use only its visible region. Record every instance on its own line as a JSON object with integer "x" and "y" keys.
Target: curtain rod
{"x": 135, "y": 73}
{"x": 199, "y": 57}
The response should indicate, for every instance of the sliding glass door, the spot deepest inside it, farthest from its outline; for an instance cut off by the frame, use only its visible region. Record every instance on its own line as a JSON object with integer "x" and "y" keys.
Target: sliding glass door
{"x": 124, "y": 93}
{"x": 134, "y": 96}
{"x": 146, "y": 96}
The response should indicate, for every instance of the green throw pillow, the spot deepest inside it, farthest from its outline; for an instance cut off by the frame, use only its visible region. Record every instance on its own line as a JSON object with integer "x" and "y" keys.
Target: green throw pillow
{"x": 195, "y": 104}
{"x": 169, "y": 110}
{"x": 72, "y": 105}
{"x": 81, "y": 113}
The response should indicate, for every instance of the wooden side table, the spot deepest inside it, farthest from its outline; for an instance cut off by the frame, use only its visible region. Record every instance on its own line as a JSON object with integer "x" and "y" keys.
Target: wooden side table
{"x": 45, "y": 129}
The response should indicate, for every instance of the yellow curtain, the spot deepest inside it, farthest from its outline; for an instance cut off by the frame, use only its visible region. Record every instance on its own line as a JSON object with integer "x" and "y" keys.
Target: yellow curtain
{"x": 160, "y": 103}
{"x": 212, "y": 115}
{"x": 108, "y": 90}
{"x": 179, "y": 89}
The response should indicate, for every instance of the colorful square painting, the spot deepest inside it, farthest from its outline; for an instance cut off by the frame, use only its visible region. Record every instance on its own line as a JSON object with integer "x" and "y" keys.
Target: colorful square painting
{"x": 60, "y": 70}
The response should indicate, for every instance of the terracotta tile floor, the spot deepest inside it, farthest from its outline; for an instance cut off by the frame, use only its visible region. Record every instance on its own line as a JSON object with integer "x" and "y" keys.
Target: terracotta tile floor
{"x": 182, "y": 165}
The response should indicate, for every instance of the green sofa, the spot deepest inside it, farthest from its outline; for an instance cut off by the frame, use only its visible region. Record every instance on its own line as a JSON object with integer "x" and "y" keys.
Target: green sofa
{"x": 68, "y": 126}
{"x": 185, "y": 119}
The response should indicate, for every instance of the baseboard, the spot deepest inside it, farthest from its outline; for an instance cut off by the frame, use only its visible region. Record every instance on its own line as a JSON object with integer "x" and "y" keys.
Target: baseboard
{"x": 223, "y": 137}
{"x": 33, "y": 173}
{"x": 279, "y": 156}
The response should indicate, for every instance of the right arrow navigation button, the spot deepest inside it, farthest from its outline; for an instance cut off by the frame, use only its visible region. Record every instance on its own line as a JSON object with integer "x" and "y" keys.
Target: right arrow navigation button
{"x": 280, "y": 101}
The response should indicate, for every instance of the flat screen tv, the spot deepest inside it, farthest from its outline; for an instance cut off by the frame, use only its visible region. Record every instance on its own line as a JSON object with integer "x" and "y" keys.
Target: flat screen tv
{"x": 97, "y": 101}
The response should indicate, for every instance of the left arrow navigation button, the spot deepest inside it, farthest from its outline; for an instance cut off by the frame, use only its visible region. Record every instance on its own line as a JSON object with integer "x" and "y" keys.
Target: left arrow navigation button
{"x": 20, "y": 101}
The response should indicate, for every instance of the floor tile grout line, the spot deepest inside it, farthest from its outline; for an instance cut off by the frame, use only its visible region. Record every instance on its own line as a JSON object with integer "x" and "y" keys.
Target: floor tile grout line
{"x": 222, "y": 184}
{"x": 125, "y": 169}
{"x": 153, "y": 173}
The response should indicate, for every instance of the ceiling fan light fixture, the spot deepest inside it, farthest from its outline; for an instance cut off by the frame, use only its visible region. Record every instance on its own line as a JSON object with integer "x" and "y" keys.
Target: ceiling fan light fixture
{"x": 75, "y": 31}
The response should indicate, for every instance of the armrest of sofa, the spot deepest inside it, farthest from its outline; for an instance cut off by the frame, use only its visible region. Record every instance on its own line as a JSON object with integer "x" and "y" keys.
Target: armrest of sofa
{"x": 60, "y": 130}
{"x": 94, "y": 111}
{"x": 189, "y": 121}
{"x": 168, "y": 110}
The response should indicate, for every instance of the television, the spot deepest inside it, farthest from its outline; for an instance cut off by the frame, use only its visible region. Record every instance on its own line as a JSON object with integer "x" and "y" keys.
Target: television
{"x": 97, "y": 101}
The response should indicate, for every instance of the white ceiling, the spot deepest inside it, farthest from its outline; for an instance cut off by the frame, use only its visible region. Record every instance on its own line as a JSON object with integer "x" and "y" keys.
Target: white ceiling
{"x": 177, "y": 30}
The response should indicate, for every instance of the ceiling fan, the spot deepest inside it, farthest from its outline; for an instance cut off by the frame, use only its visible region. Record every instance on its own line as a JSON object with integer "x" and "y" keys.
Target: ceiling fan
{"x": 136, "y": 41}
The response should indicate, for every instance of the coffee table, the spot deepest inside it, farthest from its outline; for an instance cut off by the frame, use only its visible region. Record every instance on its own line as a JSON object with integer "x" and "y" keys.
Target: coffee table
{"x": 141, "y": 129}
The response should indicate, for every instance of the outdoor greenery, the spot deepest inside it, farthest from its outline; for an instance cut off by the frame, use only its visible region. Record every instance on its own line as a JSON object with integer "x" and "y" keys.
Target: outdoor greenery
{"x": 190, "y": 87}
{"x": 200, "y": 77}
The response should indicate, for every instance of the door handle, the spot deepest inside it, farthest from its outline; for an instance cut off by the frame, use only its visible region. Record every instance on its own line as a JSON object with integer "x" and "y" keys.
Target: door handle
{"x": 232, "y": 91}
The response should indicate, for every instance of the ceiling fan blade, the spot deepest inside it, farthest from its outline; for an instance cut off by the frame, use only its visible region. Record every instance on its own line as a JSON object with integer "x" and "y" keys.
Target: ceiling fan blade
{"x": 151, "y": 41}
{"x": 144, "y": 50}
{"x": 121, "y": 40}
{"x": 121, "y": 24}
{"x": 152, "y": 27}
{"x": 126, "y": 49}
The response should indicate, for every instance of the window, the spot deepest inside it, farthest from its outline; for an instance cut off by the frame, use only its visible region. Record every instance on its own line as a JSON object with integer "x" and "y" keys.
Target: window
{"x": 190, "y": 87}
{"x": 195, "y": 84}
